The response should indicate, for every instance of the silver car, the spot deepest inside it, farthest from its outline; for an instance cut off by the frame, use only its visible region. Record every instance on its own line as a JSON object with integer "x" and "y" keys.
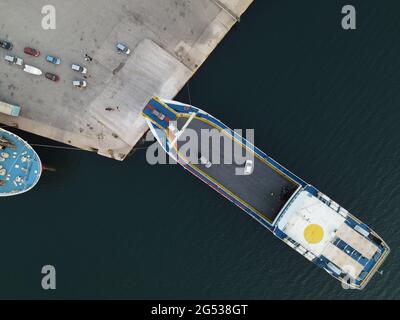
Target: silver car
{"x": 121, "y": 48}
{"x": 78, "y": 68}
{"x": 14, "y": 60}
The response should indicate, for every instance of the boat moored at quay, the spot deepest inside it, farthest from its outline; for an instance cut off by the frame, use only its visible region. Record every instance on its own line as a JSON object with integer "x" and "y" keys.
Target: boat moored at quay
{"x": 293, "y": 210}
{"x": 20, "y": 166}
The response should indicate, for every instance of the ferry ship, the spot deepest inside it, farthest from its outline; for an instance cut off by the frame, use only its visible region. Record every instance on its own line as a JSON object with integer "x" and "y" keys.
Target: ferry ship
{"x": 20, "y": 166}
{"x": 294, "y": 211}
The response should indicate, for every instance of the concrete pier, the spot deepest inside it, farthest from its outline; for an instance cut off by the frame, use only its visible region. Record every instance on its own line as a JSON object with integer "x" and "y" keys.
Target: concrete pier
{"x": 169, "y": 39}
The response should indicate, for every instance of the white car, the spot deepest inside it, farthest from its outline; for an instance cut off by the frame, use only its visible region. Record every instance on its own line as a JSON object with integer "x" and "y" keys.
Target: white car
{"x": 248, "y": 167}
{"x": 158, "y": 114}
{"x": 173, "y": 129}
{"x": 78, "y": 68}
{"x": 79, "y": 83}
{"x": 14, "y": 60}
{"x": 205, "y": 162}
{"x": 33, "y": 70}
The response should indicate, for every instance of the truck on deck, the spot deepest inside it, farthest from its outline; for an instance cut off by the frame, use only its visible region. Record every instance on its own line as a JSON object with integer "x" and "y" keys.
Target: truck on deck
{"x": 10, "y": 109}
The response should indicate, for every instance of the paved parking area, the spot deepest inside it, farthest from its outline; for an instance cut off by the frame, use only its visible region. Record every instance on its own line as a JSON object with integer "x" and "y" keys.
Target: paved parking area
{"x": 169, "y": 41}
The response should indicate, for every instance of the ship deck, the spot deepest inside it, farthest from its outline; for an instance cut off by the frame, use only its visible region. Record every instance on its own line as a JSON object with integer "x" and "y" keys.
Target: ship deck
{"x": 264, "y": 192}
{"x": 20, "y": 167}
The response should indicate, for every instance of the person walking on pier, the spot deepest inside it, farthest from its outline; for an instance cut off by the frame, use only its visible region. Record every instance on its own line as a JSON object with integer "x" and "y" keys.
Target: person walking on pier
{"x": 88, "y": 58}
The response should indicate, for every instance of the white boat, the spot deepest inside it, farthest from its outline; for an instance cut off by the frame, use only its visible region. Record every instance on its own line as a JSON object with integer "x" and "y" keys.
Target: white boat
{"x": 32, "y": 70}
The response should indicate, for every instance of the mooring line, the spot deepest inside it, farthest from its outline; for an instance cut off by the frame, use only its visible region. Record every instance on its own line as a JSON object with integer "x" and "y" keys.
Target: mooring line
{"x": 56, "y": 147}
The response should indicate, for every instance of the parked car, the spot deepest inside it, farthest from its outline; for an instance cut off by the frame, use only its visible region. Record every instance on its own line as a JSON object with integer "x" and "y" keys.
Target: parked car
{"x": 14, "y": 60}
{"x": 121, "y": 48}
{"x": 78, "y": 68}
{"x": 6, "y": 45}
{"x": 52, "y": 76}
{"x": 33, "y": 70}
{"x": 53, "y": 59}
{"x": 32, "y": 52}
{"x": 79, "y": 83}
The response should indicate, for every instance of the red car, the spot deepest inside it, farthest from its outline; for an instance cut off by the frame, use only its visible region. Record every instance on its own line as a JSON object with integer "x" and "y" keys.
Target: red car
{"x": 32, "y": 52}
{"x": 52, "y": 77}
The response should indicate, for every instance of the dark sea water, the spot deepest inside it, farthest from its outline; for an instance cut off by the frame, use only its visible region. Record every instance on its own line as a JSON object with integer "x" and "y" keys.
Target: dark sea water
{"x": 323, "y": 101}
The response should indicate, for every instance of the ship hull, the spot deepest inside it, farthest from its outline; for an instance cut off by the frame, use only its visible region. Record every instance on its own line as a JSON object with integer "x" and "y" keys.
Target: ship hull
{"x": 327, "y": 235}
{"x": 20, "y": 165}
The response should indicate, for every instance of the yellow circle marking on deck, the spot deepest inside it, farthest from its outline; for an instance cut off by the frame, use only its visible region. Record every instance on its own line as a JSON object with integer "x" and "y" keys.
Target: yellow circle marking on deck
{"x": 313, "y": 233}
